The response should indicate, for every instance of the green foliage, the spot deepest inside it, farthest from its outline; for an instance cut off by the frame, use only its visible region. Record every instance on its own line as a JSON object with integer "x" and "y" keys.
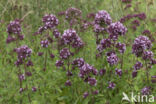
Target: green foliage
{"x": 50, "y": 84}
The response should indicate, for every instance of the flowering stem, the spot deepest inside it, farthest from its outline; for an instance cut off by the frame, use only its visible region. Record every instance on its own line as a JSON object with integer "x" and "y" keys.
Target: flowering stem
{"x": 122, "y": 61}
{"x": 147, "y": 73}
{"x": 45, "y": 62}
{"x": 26, "y": 83}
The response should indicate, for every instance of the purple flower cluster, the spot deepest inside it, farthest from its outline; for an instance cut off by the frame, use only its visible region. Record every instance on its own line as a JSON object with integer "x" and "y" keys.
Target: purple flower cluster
{"x": 145, "y": 91}
{"x": 121, "y": 47}
{"x": 14, "y": 27}
{"x": 92, "y": 81}
{"x": 85, "y": 94}
{"x": 102, "y": 72}
{"x": 147, "y": 55}
{"x": 118, "y": 72}
{"x": 86, "y": 70}
{"x": 153, "y": 79}
{"x": 138, "y": 65}
{"x": 22, "y": 77}
{"x": 50, "y": 21}
{"x": 128, "y": 6}
{"x": 70, "y": 37}
{"x": 111, "y": 85}
{"x": 141, "y": 44}
{"x": 44, "y": 43}
{"x": 79, "y": 62}
{"x": 56, "y": 33}
{"x": 65, "y": 53}
{"x": 105, "y": 43}
{"x": 136, "y": 22}
{"x": 59, "y": 63}
{"x": 14, "y": 31}
{"x": 112, "y": 58}
{"x": 116, "y": 29}
{"x": 141, "y": 16}
{"x": 102, "y": 19}
{"x": 98, "y": 28}
{"x": 34, "y": 89}
{"x": 23, "y": 53}
{"x": 68, "y": 83}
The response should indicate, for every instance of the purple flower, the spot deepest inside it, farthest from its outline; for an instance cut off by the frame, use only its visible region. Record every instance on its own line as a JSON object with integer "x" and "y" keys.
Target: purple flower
{"x": 146, "y": 32}
{"x": 77, "y": 43}
{"x": 102, "y": 72}
{"x": 41, "y": 29}
{"x": 79, "y": 62}
{"x": 112, "y": 58}
{"x": 87, "y": 69}
{"x": 40, "y": 53}
{"x": 98, "y": 28}
{"x": 23, "y": 52}
{"x": 147, "y": 55}
{"x": 14, "y": 27}
{"x": 50, "y": 21}
{"x": 134, "y": 73}
{"x": 28, "y": 73}
{"x": 10, "y": 39}
{"x": 128, "y": 6}
{"x": 138, "y": 65}
{"x": 153, "y": 79}
{"x": 105, "y": 43}
{"x": 68, "y": 83}
{"x": 65, "y": 53}
{"x": 117, "y": 28}
{"x": 145, "y": 91}
{"x": 118, "y": 72}
{"x": 69, "y": 73}
{"x": 59, "y": 63}
{"x": 94, "y": 71}
{"x": 140, "y": 44}
{"x": 21, "y": 90}
{"x": 22, "y": 77}
{"x": 52, "y": 55}
{"x": 111, "y": 85}
{"x": 85, "y": 94}
{"x": 102, "y": 18}
{"x": 56, "y": 33}
{"x": 126, "y": 18}
{"x": 34, "y": 89}
{"x": 21, "y": 37}
{"x": 121, "y": 47}
{"x": 92, "y": 81}
{"x": 44, "y": 43}
{"x": 29, "y": 63}
{"x": 153, "y": 61}
{"x": 70, "y": 37}
{"x": 19, "y": 62}
{"x": 136, "y": 22}
{"x": 141, "y": 16}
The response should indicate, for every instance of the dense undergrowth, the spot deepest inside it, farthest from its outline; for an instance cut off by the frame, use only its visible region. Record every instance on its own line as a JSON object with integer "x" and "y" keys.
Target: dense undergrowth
{"x": 77, "y": 51}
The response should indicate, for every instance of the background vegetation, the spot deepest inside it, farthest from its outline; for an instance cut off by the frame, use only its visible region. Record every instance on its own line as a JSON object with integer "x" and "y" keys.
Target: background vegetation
{"x": 32, "y": 11}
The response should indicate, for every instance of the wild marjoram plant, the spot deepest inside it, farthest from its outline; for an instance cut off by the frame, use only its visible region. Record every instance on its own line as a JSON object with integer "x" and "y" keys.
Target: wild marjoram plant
{"x": 98, "y": 81}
